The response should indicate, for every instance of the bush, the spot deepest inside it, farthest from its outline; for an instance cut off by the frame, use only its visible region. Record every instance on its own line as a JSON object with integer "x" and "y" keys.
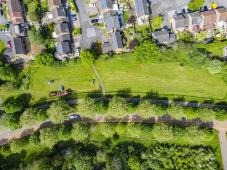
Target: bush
{"x": 45, "y": 59}
{"x": 157, "y": 23}
{"x": 147, "y": 51}
{"x": 87, "y": 57}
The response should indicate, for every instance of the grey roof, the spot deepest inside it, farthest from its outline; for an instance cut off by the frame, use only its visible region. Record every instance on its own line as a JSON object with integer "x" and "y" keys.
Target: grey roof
{"x": 141, "y": 7}
{"x": 186, "y": 20}
{"x": 62, "y": 27}
{"x": 116, "y": 39}
{"x": 113, "y": 21}
{"x": 106, "y": 47}
{"x": 63, "y": 47}
{"x": 65, "y": 37}
{"x": 164, "y": 37}
{"x": 196, "y": 18}
{"x": 105, "y": 4}
{"x": 19, "y": 46}
{"x": 59, "y": 12}
{"x": 179, "y": 21}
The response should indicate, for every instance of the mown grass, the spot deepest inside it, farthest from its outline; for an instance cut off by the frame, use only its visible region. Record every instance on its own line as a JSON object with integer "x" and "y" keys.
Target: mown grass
{"x": 70, "y": 75}
{"x": 167, "y": 79}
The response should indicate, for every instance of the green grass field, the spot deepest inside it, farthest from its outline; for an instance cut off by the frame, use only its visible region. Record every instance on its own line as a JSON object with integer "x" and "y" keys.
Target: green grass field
{"x": 123, "y": 72}
{"x": 70, "y": 75}
{"x": 168, "y": 79}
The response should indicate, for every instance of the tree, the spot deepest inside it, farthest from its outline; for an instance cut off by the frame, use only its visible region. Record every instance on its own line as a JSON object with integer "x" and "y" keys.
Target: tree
{"x": 147, "y": 51}
{"x": 107, "y": 129}
{"x": 157, "y": 23}
{"x": 87, "y": 107}
{"x": 87, "y": 57}
{"x": 45, "y": 59}
{"x": 13, "y": 104}
{"x": 64, "y": 133}
{"x": 48, "y": 137}
{"x": 31, "y": 116}
{"x": 195, "y": 4}
{"x": 7, "y": 73}
{"x": 215, "y": 66}
{"x": 117, "y": 107}
{"x": 162, "y": 133}
{"x": 80, "y": 132}
{"x": 134, "y": 163}
{"x": 18, "y": 145}
{"x": 146, "y": 109}
{"x": 59, "y": 111}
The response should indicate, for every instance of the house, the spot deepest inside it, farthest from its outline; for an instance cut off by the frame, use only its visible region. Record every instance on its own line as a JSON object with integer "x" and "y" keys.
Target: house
{"x": 221, "y": 19}
{"x": 142, "y": 11}
{"x": 113, "y": 21}
{"x": 105, "y": 5}
{"x": 116, "y": 41}
{"x": 14, "y": 11}
{"x": 58, "y": 13}
{"x": 164, "y": 37}
{"x": 62, "y": 28}
{"x": 63, "y": 50}
{"x": 194, "y": 21}
{"x": 54, "y": 4}
{"x": 178, "y": 23}
{"x": 21, "y": 46}
{"x": 64, "y": 37}
{"x": 208, "y": 20}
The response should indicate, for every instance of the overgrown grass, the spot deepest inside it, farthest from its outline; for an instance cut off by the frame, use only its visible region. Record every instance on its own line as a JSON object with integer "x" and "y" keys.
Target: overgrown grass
{"x": 216, "y": 48}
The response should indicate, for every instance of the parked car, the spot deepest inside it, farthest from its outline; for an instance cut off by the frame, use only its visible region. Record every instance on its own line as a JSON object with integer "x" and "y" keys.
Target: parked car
{"x": 74, "y": 116}
{"x": 9, "y": 44}
{"x": 94, "y": 20}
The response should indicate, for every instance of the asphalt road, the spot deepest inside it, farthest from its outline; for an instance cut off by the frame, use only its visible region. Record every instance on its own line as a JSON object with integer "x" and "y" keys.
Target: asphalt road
{"x": 223, "y": 144}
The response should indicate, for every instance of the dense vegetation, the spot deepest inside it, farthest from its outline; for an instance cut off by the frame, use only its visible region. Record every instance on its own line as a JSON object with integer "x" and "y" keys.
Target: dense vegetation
{"x": 195, "y": 4}
{"x": 114, "y": 146}
{"x": 19, "y": 114}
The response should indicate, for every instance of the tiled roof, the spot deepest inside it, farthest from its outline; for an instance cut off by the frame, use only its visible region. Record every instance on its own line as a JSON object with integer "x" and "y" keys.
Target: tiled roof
{"x": 116, "y": 40}
{"x": 59, "y": 12}
{"x": 222, "y": 14}
{"x": 63, "y": 47}
{"x": 196, "y": 18}
{"x": 164, "y": 37}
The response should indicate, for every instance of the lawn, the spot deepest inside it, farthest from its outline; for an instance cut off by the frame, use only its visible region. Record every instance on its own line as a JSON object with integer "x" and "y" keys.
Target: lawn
{"x": 168, "y": 79}
{"x": 216, "y": 48}
{"x": 72, "y": 75}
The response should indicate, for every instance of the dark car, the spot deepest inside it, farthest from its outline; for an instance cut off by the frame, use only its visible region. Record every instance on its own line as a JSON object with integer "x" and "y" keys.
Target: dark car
{"x": 74, "y": 116}
{"x": 94, "y": 20}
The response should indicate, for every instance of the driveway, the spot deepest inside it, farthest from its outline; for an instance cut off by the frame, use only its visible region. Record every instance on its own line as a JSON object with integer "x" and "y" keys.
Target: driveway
{"x": 90, "y": 34}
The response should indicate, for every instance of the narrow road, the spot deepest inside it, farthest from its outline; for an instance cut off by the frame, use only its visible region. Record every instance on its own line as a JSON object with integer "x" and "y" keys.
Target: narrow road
{"x": 101, "y": 85}
{"x": 223, "y": 144}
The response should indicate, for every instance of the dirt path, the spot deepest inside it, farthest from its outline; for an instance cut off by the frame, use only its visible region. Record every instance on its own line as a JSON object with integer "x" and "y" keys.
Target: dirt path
{"x": 101, "y": 85}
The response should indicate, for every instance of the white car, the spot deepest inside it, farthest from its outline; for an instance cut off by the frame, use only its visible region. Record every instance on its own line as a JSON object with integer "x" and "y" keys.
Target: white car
{"x": 74, "y": 116}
